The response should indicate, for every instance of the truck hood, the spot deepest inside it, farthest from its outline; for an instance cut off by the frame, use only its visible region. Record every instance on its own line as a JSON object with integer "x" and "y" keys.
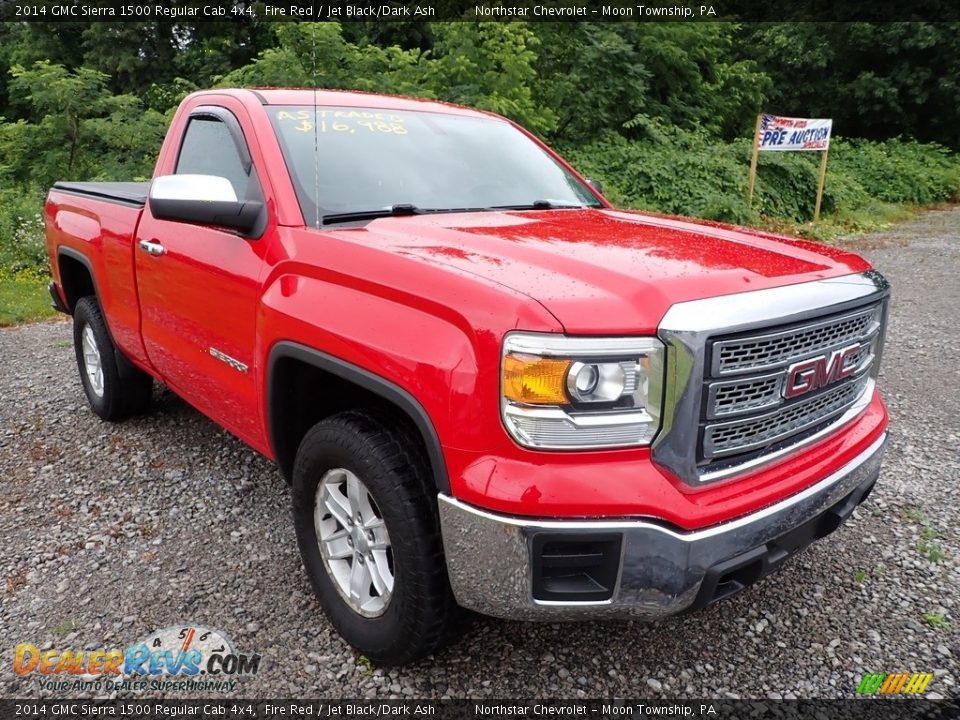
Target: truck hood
{"x": 605, "y": 270}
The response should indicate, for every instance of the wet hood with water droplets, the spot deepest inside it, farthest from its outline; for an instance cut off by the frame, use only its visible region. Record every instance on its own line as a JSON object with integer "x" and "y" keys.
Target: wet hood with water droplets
{"x": 609, "y": 271}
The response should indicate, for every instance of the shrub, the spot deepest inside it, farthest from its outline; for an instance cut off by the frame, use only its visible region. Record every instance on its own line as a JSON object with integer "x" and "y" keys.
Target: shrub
{"x": 691, "y": 173}
{"x": 899, "y": 170}
{"x": 22, "y": 244}
{"x": 672, "y": 171}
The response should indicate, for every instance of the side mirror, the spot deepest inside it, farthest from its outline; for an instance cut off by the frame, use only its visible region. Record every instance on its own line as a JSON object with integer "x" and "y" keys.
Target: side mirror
{"x": 596, "y": 185}
{"x": 203, "y": 199}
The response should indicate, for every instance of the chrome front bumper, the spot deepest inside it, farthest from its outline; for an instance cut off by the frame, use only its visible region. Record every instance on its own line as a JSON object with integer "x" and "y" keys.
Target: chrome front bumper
{"x": 661, "y": 571}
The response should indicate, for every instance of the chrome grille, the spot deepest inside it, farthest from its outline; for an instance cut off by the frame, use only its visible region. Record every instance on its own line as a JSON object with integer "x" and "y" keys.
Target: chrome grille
{"x": 728, "y": 358}
{"x": 742, "y": 436}
{"x": 735, "y": 397}
{"x": 743, "y": 395}
{"x": 764, "y": 351}
{"x": 745, "y": 408}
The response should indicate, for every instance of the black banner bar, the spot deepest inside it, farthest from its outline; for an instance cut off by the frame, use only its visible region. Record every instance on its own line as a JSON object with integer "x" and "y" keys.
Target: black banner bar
{"x": 486, "y": 10}
{"x": 872, "y": 708}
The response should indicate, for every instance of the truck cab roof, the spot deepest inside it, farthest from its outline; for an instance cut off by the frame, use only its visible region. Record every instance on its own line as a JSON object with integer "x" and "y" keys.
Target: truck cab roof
{"x": 347, "y": 98}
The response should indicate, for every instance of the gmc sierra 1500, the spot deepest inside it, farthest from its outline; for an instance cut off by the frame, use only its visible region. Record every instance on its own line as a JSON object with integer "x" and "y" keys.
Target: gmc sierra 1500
{"x": 489, "y": 388}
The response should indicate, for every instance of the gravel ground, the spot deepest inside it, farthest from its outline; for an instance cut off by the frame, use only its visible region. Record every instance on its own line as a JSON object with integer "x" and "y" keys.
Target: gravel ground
{"x": 109, "y": 532}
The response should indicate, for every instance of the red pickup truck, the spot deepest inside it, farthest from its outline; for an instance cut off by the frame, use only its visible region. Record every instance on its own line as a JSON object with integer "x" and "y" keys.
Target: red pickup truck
{"x": 488, "y": 388}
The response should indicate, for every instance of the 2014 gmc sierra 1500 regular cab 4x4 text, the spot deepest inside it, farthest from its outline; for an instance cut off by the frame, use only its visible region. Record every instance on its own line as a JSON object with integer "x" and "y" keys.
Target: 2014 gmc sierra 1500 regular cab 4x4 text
{"x": 488, "y": 388}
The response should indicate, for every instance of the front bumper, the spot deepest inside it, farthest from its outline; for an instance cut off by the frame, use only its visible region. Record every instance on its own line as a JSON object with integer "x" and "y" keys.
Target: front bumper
{"x": 520, "y": 568}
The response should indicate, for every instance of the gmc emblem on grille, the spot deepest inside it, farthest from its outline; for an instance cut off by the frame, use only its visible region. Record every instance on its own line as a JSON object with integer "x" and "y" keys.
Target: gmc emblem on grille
{"x": 808, "y": 375}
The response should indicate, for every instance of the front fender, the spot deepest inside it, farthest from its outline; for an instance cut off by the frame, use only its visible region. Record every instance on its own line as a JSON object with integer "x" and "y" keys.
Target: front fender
{"x": 365, "y": 379}
{"x": 429, "y": 352}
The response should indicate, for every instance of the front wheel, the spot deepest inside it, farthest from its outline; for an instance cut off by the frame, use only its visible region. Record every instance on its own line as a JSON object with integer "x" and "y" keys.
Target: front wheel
{"x": 369, "y": 537}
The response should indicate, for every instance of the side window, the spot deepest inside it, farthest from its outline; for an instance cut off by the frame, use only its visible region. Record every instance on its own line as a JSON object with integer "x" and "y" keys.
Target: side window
{"x": 209, "y": 149}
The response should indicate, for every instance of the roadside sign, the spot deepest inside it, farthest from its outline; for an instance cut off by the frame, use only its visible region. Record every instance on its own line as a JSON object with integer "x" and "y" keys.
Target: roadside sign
{"x": 786, "y": 134}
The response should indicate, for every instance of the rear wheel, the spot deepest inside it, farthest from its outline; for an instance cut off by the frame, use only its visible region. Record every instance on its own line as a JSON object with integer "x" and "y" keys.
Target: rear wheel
{"x": 114, "y": 388}
{"x": 369, "y": 537}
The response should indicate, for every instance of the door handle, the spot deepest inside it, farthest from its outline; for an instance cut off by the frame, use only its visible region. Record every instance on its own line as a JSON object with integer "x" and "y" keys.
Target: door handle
{"x": 152, "y": 247}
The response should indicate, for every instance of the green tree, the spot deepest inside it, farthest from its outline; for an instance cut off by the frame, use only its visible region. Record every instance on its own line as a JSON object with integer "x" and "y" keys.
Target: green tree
{"x": 26, "y": 43}
{"x": 152, "y": 59}
{"x": 80, "y": 129}
{"x": 486, "y": 65}
{"x": 317, "y": 55}
{"x": 877, "y": 80}
{"x": 591, "y": 75}
{"x": 490, "y": 66}
{"x": 610, "y": 76}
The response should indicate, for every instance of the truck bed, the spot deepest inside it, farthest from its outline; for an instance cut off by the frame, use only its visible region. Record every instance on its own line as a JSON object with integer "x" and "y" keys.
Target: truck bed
{"x": 126, "y": 193}
{"x": 91, "y": 228}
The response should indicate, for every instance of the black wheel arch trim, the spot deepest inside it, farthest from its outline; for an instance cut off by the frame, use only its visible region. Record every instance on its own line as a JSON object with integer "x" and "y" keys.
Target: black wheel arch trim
{"x": 125, "y": 365}
{"x": 367, "y": 380}
{"x": 83, "y": 260}
{"x": 55, "y": 301}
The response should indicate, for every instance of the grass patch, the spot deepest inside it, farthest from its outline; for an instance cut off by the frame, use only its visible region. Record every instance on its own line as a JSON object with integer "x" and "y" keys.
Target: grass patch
{"x": 365, "y": 663}
{"x": 936, "y": 620}
{"x": 914, "y": 513}
{"x": 928, "y": 545}
{"x": 859, "y": 577}
{"x": 873, "y": 218}
{"x": 23, "y": 298}
{"x": 65, "y": 627}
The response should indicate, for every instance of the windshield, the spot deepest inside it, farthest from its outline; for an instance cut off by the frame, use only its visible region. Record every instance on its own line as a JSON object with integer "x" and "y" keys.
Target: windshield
{"x": 354, "y": 160}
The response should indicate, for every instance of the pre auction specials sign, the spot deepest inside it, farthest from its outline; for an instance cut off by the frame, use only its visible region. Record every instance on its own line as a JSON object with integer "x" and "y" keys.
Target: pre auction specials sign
{"x": 785, "y": 133}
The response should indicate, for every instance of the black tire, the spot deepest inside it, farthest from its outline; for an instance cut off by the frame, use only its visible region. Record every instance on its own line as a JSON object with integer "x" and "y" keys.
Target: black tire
{"x": 126, "y": 389}
{"x": 421, "y": 608}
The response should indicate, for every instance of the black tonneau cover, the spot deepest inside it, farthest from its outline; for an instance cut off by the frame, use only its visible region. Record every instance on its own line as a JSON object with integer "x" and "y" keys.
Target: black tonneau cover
{"x": 127, "y": 193}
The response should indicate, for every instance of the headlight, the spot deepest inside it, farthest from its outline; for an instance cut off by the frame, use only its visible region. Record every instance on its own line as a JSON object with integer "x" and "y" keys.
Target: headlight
{"x": 561, "y": 392}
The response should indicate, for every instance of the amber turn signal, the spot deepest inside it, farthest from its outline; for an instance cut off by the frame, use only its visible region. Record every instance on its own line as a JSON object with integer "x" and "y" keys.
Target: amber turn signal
{"x": 535, "y": 380}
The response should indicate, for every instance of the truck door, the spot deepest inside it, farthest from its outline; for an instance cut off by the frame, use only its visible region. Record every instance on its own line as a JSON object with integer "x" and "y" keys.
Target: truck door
{"x": 199, "y": 285}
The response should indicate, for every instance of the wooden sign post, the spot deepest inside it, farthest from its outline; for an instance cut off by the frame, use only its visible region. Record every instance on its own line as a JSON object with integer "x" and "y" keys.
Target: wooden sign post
{"x": 774, "y": 133}
{"x": 753, "y": 162}
{"x": 823, "y": 176}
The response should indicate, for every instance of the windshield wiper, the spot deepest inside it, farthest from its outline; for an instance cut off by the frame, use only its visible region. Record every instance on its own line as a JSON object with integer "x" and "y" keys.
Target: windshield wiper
{"x": 544, "y": 205}
{"x": 405, "y": 209}
{"x": 398, "y": 210}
